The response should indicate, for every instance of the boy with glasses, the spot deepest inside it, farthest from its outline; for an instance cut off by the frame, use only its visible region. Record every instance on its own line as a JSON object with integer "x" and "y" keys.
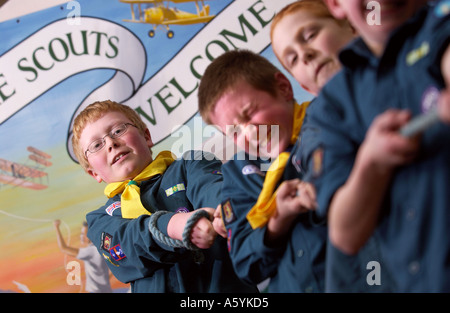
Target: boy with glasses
{"x": 151, "y": 229}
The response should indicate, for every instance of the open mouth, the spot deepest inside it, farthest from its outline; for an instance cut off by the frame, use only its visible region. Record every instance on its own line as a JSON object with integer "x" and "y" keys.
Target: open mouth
{"x": 118, "y": 157}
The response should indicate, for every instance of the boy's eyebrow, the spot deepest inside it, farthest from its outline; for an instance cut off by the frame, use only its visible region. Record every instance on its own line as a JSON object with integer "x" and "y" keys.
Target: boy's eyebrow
{"x": 306, "y": 27}
{"x": 300, "y": 31}
{"x": 107, "y": 130}
{"x": 246, "y": 106}
{"x": 243, "y": 112}
{"x": 298, "y": 34}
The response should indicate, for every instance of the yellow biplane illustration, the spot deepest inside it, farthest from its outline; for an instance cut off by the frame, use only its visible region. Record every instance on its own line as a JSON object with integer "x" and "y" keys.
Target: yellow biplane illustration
{"x": 21, "y": 175}
{"x": 159, "y": 14}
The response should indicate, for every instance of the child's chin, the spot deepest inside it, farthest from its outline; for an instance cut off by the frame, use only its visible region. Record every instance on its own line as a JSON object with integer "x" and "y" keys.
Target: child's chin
{"x": 269, "y": 152}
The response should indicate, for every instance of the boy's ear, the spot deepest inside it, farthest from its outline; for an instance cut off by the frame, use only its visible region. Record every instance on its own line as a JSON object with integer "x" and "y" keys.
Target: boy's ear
{"x": 94, "y": 175}
{"x": 284, "y": 86}
{"x": 148, "y": 138}
{"x": 335, "y": 8}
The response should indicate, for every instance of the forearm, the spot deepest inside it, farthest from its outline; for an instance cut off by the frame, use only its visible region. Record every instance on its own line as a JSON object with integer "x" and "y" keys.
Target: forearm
{"x": 200, "y": 230}
{"x": 277, "y": 228}
{"x": 354, "y": 209}
{"x": 145, "y": 255}
{"x": 176, "y": 225}
{"x": 63, "y": 246}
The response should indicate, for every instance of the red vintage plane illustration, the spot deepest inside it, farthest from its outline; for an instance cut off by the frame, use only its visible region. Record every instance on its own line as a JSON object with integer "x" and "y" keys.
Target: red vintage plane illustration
{"x": 26, "y": 176}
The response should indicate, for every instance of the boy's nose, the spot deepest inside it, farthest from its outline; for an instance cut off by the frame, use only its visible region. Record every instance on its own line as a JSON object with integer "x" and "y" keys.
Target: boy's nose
{"x": 111, "y": 142}
{"x": 307, "y": 55}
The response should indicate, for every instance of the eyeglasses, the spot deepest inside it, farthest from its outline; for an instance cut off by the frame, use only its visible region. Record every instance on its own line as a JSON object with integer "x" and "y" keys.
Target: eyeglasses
{"x": 116, "y": 132}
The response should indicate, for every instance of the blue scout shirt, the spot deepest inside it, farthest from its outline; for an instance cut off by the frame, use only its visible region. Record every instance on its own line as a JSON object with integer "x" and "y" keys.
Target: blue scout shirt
{"x": 344, "y": 273}
{"x": 415, "y": 216}
{"x": 296, "y": 265}
{"x": 133, "y": 255}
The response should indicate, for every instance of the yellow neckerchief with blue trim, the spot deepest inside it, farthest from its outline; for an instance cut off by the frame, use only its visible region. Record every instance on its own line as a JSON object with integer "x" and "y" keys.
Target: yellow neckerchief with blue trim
{"x": 131, "y": 205}
{"x": 266, "y": 204}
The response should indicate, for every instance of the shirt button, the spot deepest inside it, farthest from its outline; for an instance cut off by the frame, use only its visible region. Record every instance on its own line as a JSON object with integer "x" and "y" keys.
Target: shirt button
{"x": 300, "y": 253}
{"x": 413, "y": 267}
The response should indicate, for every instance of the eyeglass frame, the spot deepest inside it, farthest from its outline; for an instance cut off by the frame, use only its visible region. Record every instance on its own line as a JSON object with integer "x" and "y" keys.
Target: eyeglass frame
{"x": 110, "y": 135}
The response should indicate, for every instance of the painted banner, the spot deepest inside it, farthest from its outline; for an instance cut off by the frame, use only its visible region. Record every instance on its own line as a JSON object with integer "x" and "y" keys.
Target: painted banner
{"x": 53, "y": 64}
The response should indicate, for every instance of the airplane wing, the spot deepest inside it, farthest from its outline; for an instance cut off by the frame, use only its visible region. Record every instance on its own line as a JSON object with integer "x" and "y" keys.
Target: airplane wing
{"x": 187, "y": 21}
{"x": 19, "y": 182}
{"x": 39, "y": 152}
{"x": 20, "y": 169}
{"x": 40, "y": 160}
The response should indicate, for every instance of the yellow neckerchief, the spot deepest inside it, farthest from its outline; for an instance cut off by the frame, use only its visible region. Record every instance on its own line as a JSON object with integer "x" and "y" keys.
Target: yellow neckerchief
{"x": 131, "y": 195}
{"x": 266, "y": 205}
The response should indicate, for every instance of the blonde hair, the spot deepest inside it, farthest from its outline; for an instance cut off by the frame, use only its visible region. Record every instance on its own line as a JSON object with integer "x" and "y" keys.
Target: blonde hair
{"x": 230, "y": 69}
{"x": 91, "y": 114}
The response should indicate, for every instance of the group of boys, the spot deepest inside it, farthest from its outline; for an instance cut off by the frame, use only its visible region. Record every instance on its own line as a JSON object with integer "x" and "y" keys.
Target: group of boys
{"x": 343, "y": 187}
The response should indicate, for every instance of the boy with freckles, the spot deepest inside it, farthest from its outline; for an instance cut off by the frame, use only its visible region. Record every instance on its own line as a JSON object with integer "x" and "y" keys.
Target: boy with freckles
{"x": 155, "y": 230}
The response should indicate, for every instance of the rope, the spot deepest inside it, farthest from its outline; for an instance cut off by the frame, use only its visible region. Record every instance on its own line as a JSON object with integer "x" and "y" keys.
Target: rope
{"x": 158, "y": 235}
{"x": 175, "y": 243}
{"x": 38, "y": 220}
{"x": 190, "y": 225}
{"x": 26, "y": 218}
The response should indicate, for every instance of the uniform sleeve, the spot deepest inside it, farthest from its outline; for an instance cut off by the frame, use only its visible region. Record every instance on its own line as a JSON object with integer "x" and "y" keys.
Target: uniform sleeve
{"x": 252, "y": 259}
{"x": 329, "y": 143}
{"x": 203, "y": 178}
{"x": 127, "y": 245}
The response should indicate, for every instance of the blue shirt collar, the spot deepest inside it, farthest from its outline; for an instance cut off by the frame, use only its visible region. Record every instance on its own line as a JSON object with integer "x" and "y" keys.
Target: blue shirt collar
{"x": 357, "y": 53}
